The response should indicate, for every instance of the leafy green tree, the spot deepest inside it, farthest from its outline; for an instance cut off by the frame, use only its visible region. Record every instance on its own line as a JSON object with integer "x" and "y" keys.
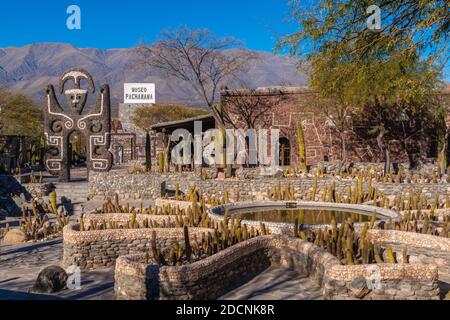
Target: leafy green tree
{"x": 19, "y": 115}
{"x": 382, "y": 76}
{"x": 22, "y": 120}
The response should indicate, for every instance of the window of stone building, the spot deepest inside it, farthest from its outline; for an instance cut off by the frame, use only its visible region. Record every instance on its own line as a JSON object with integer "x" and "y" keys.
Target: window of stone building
{"x": 285, "y": 152}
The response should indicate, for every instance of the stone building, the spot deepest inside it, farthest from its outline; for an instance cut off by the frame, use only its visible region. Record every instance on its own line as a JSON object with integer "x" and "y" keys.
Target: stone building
{"x": 284, "y": 107}
{"x": 280, "y": 108}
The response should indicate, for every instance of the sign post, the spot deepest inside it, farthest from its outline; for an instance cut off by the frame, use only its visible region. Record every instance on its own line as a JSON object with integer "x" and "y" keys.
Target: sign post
{"x": 139, "y": 93}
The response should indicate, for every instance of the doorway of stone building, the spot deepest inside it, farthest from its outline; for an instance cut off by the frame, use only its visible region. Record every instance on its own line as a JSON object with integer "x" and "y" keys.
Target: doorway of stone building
{"x": 285, "y": 152}
{"x": 78, "y": 157}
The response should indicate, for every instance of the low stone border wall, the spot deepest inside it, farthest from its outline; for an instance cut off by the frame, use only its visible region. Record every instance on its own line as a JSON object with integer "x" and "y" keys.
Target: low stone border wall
{"x": 217, "y": 213}
{"x": 100, "y": 248}
{"x": 382, "y": 282}
{"x": 422, "y": 248}
{"x": 122, "y": 218}
{"x": 410, "y": 239}
{"x": 150, "y": 186}
{"x": 210, "y": 278}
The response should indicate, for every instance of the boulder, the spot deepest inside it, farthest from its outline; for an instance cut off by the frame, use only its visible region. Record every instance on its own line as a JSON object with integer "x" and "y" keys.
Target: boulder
{"x": 50, "y": 280}
{"x": 359, "y": 288}
{"x": 14, "y": 236}
{"x": 270, "y": 172}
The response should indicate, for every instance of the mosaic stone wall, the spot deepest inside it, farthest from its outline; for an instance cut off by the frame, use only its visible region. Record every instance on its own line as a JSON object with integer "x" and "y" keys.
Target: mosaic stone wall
{"x": 212, "y": 277}
{"x": 100, "y": 248}
{"x": 150, "y": 187}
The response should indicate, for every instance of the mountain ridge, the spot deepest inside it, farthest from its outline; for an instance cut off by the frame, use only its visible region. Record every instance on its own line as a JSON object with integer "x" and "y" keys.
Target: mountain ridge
{"x": 32, "y": 67}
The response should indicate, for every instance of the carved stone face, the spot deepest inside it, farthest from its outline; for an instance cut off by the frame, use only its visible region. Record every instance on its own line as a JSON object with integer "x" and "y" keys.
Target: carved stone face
{"x": 76, "y": 99}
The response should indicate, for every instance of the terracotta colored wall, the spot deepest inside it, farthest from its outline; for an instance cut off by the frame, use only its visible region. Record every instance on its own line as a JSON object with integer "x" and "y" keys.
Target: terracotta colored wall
{"x": 322, "y": 139}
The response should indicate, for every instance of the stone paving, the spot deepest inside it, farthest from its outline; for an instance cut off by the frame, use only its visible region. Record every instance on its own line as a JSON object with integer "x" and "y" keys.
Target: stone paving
{"x": 276, "y": 283}
{"x": 20, "y": 265}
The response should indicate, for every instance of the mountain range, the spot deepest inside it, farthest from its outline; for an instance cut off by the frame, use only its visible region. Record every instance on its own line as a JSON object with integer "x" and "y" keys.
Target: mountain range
{"x": 31, "y": 68}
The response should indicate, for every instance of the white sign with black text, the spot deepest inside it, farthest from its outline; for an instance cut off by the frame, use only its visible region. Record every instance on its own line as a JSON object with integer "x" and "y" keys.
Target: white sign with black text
{"x": 139, "y": 93}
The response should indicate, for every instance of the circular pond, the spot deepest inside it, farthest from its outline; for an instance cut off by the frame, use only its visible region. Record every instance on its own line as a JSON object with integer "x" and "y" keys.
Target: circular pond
{"x": 279, "y": 216}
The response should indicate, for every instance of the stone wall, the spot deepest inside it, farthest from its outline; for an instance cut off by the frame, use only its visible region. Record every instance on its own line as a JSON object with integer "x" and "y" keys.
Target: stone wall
{"x": 428, "y": 257}
{"x": 421, "y": 248}
{"x": 388, "y": 281}
{"x": 100, "y": 248}
{"x": 153, "y": 186}
{"x": 121, "y": 219}
{"x": 212, "y": 277}
{"x": 284, "y": 107}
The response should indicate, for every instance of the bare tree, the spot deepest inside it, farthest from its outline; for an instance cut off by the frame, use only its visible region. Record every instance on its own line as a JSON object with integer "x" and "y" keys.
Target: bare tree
{"x": 249, "y": 107}
{"x": 198, "y": 58}
{"x": 337, "y": 114}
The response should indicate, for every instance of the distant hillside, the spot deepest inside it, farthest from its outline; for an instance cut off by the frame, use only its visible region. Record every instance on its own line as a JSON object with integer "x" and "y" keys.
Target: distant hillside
{"x": 32, "y": 67}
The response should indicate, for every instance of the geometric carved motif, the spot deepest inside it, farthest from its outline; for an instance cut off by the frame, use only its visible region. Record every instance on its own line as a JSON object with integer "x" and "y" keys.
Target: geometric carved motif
{"x": 60, "y": 125}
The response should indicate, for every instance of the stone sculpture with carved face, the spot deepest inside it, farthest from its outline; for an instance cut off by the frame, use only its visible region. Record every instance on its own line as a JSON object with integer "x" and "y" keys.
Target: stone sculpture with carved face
{"x": 60, "y": 125}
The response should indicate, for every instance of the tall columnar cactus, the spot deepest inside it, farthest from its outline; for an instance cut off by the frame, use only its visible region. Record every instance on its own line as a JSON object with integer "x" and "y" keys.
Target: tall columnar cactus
{"x": 390, "y": 255}
{"x": 405, "y": 255}
{"x": 148, "y": 152}
{"x": 314, "y": 191}
{"x": 161, "y": 162}
{"x": 187, "y": 244}
{"x": 53, "y": 202}
{"x": 301, "y": 147}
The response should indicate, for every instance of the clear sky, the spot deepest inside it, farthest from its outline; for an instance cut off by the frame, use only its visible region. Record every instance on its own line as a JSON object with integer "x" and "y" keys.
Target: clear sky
{"x": 125, "y": 23}
{"x": 122, "y": 24}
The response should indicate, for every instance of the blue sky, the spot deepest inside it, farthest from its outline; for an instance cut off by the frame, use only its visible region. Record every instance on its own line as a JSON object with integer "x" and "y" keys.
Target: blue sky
{"x": 121, "y": 24}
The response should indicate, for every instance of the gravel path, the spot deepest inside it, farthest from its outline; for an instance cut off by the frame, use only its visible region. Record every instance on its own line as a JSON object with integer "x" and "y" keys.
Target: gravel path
{"x": 21, "y": 264}
{"x": 276, "y": 283}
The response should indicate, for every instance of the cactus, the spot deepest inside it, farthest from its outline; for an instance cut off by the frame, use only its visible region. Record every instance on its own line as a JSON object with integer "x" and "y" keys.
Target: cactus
{"x": 390, "y": 255}
{"x": 373, "y": 219}
{"x": 301, "y": 148}
{"x": 161, "y": 162}
{"x": 377, "y": 254}
{"x": 148, "y": 152}
{"x": 177, "y": 192}
{"x": 187, "y": 244}
{"x": 53, "y": 202}
{"x": 405, "y": 255}
{"x": 314, "y": 192}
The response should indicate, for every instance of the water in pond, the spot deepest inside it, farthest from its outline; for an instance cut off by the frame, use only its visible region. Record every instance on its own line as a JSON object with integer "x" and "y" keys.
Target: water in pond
{"x": 305, "y": 216}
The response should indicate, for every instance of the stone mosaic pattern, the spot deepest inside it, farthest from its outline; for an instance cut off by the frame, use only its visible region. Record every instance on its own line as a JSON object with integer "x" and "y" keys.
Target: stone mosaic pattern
{"x": 60, "y": 125}
{"x": 211, "y": 277}
{"x": 100, "y": 248}
{"x": 410, "y": 239}
{"x": 150, "y": 187}
{"x": 395, "y": 282}
{"x": 122, "y": 218}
